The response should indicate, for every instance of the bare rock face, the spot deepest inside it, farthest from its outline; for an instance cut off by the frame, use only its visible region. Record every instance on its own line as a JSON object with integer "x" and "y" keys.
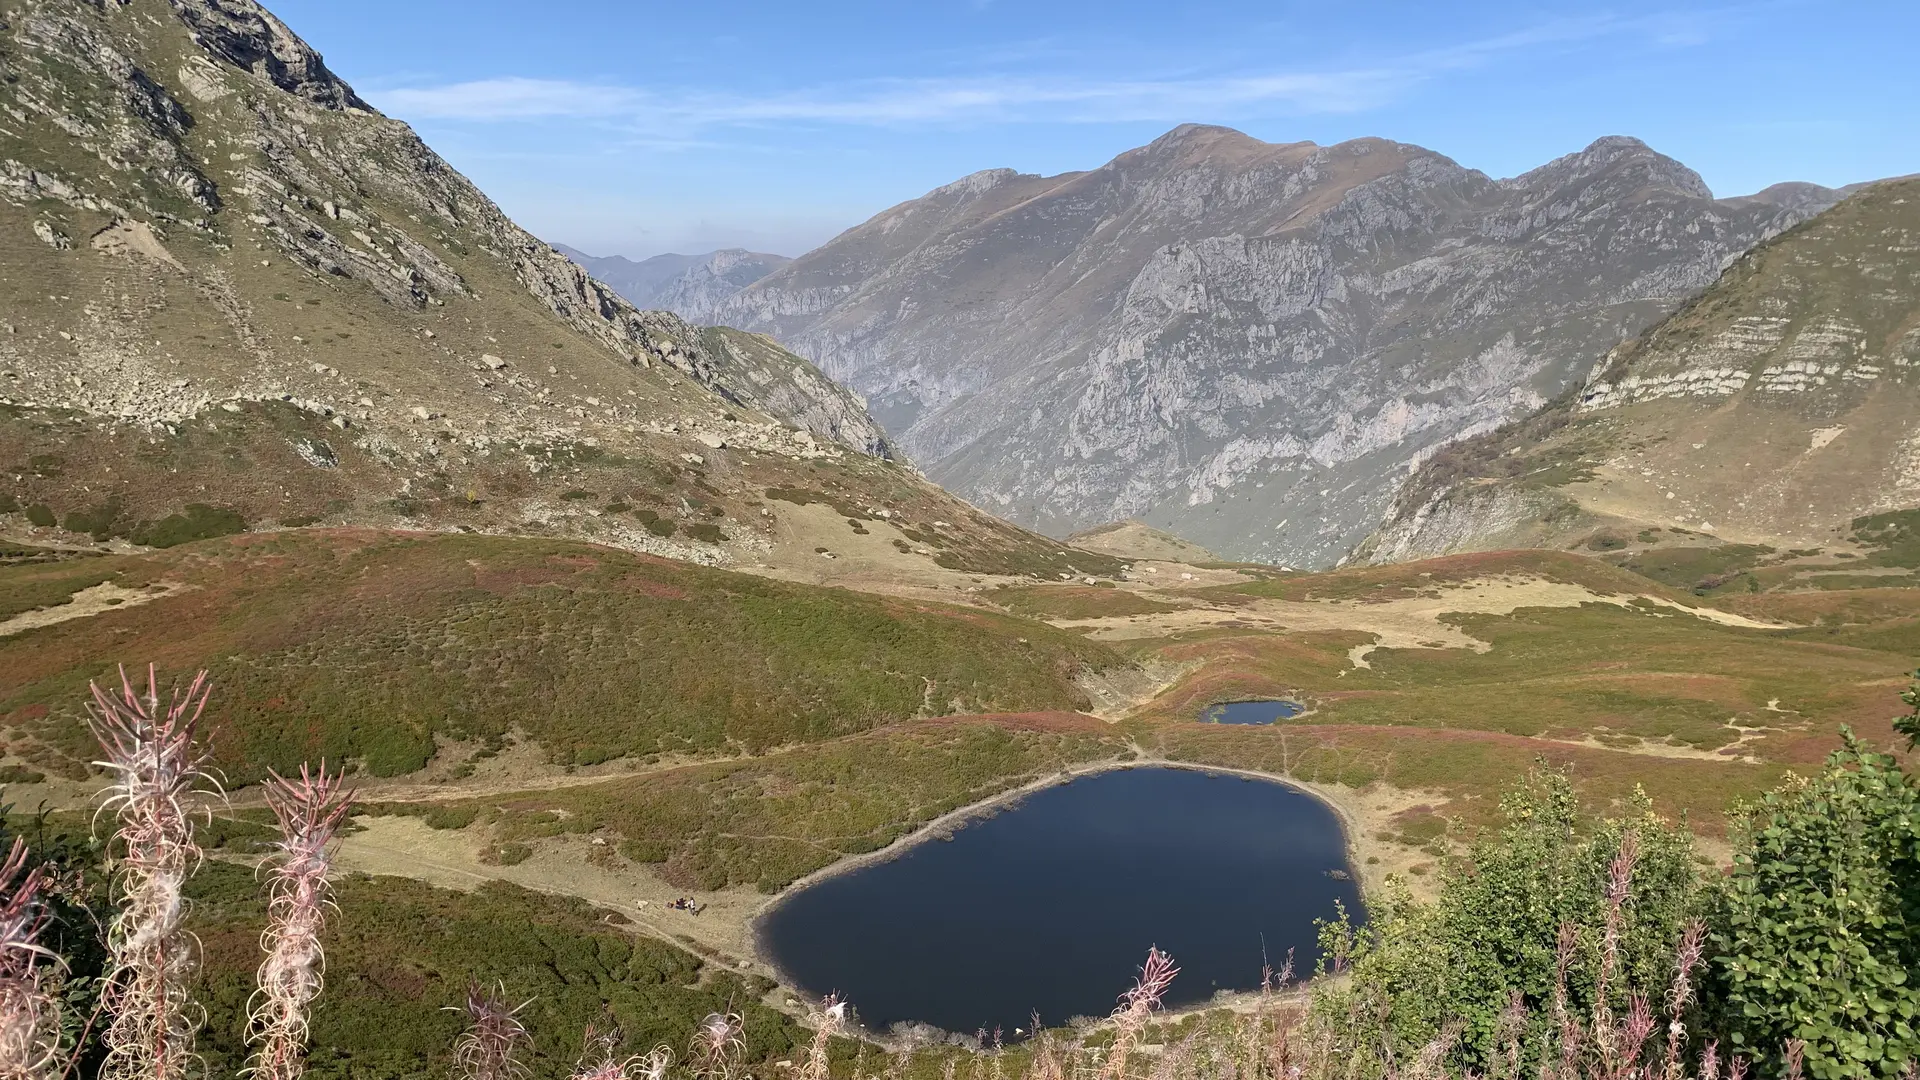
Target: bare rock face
{"x": 1777, "y": 407}
{"x": 250, "y": 141}
{"x": 1248, "y": 344}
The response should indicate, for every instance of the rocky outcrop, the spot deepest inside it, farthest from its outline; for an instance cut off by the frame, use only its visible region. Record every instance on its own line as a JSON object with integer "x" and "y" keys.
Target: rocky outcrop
{"x": 1248, "y": 344}
{"x": 712, "y": 279}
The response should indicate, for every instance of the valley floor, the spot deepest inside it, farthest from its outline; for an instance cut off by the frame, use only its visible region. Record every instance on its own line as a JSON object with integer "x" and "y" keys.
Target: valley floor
{"x": 624, "y": 731}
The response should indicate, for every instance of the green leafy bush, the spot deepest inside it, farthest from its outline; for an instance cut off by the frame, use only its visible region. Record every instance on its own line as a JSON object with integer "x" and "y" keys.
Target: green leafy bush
{"x": 197, "y": 522}
{"x": 1817, "y": 933}
{"x": 1495, "y": 927}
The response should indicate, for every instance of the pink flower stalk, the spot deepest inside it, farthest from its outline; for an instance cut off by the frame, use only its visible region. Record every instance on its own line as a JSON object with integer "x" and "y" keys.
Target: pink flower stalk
{"x": 1136, "y": 1005}
{"x": 489, "y": 1049}
{"x": 1619, "y": 885}
{"x": 1563, "y": 1022}
{"x": 1686, "y": 958}
{"x": 310, "y": 811}
{"x": 29, "y": 1016}
{"x": 1710, "y": 1061}
{"x": 1796, "y": 1058}
{"x": 717, "y": 1045}
{"x": 157, "y": 768}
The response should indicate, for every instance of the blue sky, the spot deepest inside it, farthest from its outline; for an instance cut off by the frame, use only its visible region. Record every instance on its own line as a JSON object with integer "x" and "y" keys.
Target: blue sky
{"x": 640, "y": 127}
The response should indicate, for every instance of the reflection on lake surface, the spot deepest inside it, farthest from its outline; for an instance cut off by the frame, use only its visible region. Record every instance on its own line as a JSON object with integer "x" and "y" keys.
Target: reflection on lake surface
{"x": 1252, "y": 712}
{"x": 1050, "y": 906}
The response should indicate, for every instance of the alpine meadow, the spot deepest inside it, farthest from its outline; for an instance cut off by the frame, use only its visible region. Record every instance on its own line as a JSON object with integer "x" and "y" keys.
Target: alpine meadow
{"x": 1229, "y": 610}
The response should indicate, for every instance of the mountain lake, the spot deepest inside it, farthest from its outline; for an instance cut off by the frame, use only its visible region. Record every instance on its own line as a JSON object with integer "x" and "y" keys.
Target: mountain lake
{"x": 1048, "y": 906}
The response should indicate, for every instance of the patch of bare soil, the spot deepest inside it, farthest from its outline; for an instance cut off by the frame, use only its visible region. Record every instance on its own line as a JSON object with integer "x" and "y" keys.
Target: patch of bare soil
{"x": 1138, "y": 540}
{"x": 1120, "y": 691}
{"x": 1409, "y": 623}
{"x": 407, "y": 847}
{"x": 815, "y": 545}
{"x": 101, "y": 598}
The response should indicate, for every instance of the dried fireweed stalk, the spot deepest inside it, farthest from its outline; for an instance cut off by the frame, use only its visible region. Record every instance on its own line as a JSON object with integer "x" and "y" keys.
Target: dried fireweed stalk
{"x": 29, "y": 1015}
{"x": 833, "y": 1017}
{"x": 490, "y": 1048}
{"x": 717, "y": 1046}
{"x": 597, "y": 1060}
{"x": 157, "y": 768}
{"x": 1136, "y": 1006}
{"x": 310, "y": 811}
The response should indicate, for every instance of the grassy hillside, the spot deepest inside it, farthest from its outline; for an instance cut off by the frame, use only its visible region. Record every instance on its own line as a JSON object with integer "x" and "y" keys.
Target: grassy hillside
{"x": 367, "y": 647}
{"x": 1776, "y": 409}
{"x": 767, "y": 821}
{"x": 400, "y": 953}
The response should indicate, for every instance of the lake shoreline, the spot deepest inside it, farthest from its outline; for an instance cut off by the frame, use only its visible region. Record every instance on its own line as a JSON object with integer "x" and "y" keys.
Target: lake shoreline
{"x": 946, "y": 825}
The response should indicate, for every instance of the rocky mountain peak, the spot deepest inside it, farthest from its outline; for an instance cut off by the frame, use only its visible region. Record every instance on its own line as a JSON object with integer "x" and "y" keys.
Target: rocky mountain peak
{"x": 976, "y": 183}
{"x": 250, "y": 37}
{"x": 1248, "y": 344}
{"x": 1621, "y": 159}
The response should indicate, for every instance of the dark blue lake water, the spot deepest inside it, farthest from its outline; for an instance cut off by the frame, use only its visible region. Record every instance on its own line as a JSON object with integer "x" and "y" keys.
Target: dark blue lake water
{"x": 1252, "y": 712}
{"x": 1050, "y": 906}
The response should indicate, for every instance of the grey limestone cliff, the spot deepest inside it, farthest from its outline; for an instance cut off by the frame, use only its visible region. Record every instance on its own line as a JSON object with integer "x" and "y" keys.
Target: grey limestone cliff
{"x": 1248, "y": 344}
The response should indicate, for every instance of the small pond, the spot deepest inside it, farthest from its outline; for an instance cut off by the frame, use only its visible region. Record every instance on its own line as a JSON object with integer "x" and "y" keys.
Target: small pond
{"x": 1252, "y": 712}
{"x": 1050, "y": 906}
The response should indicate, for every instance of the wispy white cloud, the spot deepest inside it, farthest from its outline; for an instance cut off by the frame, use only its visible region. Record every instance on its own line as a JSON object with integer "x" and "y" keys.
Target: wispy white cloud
{"x": 994, "y": 96}
{"x": 882, "y": 102}
{"x": 511, "y": 98}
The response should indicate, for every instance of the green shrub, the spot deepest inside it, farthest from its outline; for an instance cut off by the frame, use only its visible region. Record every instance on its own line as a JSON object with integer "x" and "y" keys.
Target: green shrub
{"x": 1817, "y": 931}
{"x": 99, "y": 522}
{"x": 450, "y": 817}
{"x": 399, "y": 952}
{"x": 197, "y": 522}
{"x": 512, "y": 853}
{"x": 40, "y": 514}
{"x": 1494, "y": 928}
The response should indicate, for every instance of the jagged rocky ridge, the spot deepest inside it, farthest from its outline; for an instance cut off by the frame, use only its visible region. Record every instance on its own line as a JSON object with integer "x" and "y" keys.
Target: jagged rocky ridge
{"x": 690, "y": 286}
{"x": 1775, "y": 408}
{"x": 173, "y": 125}
{"x": 1248, "y": 344}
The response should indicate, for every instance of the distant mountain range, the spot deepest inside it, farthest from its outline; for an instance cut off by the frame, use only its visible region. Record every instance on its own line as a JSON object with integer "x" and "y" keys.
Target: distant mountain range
{"x": 1777, "y": 409}
{"x": 1250, "y": 345}
{"x": 690, "y": 286}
